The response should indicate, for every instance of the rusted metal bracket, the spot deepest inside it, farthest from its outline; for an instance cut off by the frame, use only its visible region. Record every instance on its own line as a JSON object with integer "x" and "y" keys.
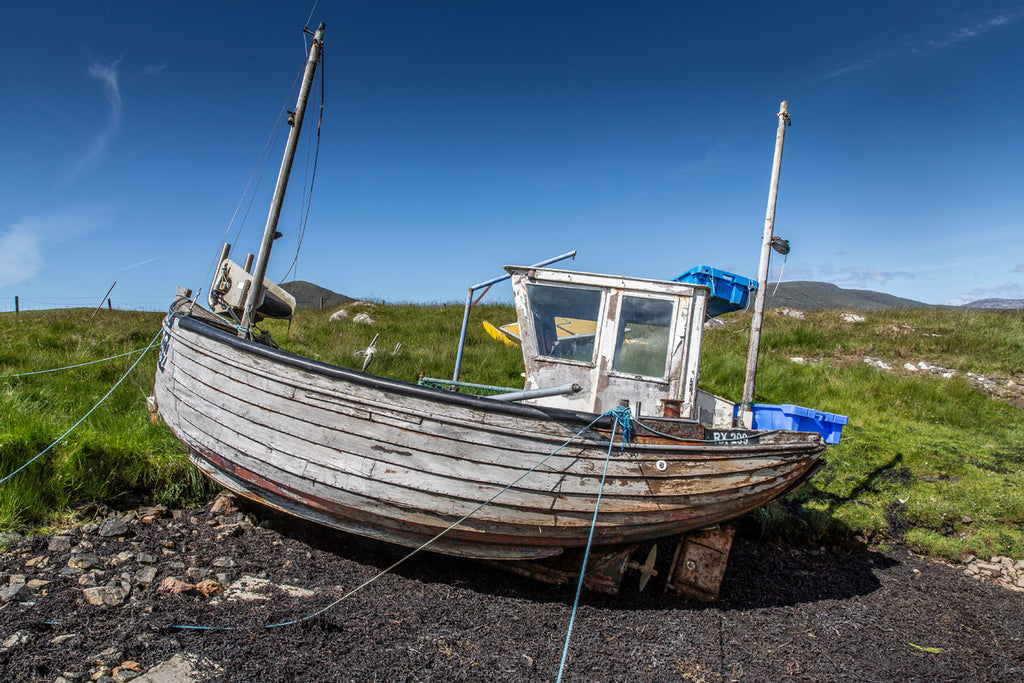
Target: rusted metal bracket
{"x": 699, "y": 563}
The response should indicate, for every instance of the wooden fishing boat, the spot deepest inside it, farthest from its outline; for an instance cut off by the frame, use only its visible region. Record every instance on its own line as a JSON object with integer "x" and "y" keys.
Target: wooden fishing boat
{"x": 518, "y": 475}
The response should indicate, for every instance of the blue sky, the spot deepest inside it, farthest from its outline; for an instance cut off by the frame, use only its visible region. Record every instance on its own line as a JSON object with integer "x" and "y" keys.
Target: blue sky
{"x": 461, "y": 136}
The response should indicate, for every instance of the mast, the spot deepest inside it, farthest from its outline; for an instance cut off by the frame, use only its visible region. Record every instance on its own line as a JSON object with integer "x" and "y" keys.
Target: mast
{"x": 746, "y": 407}
{"x": 255, "y": 294}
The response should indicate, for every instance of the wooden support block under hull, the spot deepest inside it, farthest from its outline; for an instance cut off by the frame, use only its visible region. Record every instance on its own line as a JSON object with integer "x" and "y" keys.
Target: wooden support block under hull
{"x": 699, "y": 563}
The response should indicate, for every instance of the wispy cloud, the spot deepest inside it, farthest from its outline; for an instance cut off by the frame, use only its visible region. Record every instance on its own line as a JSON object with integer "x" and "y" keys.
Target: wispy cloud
{"x": 107, "y": 75}
{"x": 856, "y": 277}
{"x": 153, "y": 70}
{"x": 23, "y": 243}
{"x": 967, "y": 29}
{"x": 1007, "y": 290}
{"x": 136, "y": 265}
{"x": 1019, "y": 268}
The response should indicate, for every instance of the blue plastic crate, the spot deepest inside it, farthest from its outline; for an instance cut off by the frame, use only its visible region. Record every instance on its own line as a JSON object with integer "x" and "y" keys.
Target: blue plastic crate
{"x": 729, "y": 292}
{"x": 797, "y": 419}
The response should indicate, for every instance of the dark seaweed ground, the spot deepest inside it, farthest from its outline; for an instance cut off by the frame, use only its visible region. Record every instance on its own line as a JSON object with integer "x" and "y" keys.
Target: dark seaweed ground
{"x": 784, "y": 614}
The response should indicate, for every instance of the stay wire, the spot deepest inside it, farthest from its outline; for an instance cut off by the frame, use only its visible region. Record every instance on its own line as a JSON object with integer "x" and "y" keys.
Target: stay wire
{"x": 77, "y": 365}
{"x": 98, "y": 403}
{"x": 388, "y": 569}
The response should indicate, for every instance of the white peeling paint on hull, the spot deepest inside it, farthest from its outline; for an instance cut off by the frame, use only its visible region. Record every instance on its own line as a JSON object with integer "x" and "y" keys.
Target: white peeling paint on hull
{"x": 400, "y": 463}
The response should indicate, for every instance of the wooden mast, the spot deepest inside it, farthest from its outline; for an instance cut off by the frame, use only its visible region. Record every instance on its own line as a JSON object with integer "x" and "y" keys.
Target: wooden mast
{"x": 746, "y": 412}
{"x": 255, "y": 294}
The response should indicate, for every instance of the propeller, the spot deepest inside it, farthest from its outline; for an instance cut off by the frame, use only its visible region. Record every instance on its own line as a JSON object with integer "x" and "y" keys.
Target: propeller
{"x": 646, "y": 569}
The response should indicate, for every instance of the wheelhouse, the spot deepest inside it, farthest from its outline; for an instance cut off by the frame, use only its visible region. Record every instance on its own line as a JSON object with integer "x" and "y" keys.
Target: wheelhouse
{"x": 621, "y": 339}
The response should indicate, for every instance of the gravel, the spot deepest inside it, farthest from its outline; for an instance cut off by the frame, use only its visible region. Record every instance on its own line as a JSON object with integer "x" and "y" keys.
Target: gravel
{"x": 784, "y": 613}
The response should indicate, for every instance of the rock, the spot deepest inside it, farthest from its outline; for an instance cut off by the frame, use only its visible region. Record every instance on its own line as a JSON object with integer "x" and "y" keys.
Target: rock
{"x": 790, "y": 312}
{"x": 111, "y": 596}
{"x": 124, "y": 556}
{"x": 799, "y": 360}
{"x": 109, "y": 658}
{"x": 59, "y": 544}
{"x": 967, "y": 519}
{"x": 131, "y": 665}
{"x": 17, "y": 592}
{"x": 15, "y": 639}
{"x": 37, "y": 584}
{"x": 65, "y": 638}
{"x": 9, "y": 537}
{"x": 340, "y": 314}
{"x": 91, "y": 578}
{"x": 851, "y": 318}
{"x": 85, "y": 561}
{"x": 224, "y": 563}
{"x": 364, "y": 318}
{"x": 150, "y": 514}
{"x": 125, "y": 675}
{"x": 90, "y": 528}
{"x": 877, "y": 362}
{"x": 209, "y": 588}
{"x": 112, "y": 526}
{"x": 173, "y": 584}
{"x": 910, "y": 367}
{"x": 224, "y": 504}
{"x": 145, "y": 558}
{"x": 145, "y": 576}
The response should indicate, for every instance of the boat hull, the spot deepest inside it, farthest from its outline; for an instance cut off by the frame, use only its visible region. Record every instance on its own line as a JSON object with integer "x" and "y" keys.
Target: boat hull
{"x": 401, "y": 463}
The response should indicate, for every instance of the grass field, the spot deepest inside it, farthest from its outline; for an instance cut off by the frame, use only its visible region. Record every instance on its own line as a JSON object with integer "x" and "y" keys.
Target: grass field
{"x": 933, "y": 461}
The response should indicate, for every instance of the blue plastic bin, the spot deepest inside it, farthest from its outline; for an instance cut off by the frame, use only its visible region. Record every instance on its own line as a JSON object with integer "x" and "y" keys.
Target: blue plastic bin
{"x": 729, "y": 292}
{"x": 797, "y": 419}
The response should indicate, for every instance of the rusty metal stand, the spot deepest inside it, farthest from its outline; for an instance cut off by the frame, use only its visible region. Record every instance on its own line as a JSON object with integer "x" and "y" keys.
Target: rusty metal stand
{"x": 699, "y": 563}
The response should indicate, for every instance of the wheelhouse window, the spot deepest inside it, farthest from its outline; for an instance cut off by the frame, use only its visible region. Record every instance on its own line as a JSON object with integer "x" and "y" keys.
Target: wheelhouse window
{"x": 565, "y": 320}
{"x": 642, "y": 343}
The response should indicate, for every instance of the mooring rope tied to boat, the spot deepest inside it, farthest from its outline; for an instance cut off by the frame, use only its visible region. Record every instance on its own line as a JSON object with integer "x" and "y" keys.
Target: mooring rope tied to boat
{"x": 616, "y": 413}
{"x": 83, "y": 418}
{"x": 78, "y": 365}
{"x": 622, "y": 417}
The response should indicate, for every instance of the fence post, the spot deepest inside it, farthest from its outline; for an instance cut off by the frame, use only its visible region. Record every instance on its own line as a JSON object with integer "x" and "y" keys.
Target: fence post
{"x": 16, "y": 308}
{"x": 110, "y": 306}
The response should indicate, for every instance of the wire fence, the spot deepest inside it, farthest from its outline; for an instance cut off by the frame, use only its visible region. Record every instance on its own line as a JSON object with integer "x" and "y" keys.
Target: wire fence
{"x": 136, "y": 303}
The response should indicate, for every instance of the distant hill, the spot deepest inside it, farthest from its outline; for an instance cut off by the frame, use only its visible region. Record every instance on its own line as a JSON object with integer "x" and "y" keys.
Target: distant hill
{"x": 818, "y": 296}
{"x": 308, "y": 295}
{"x": 996, "y": 303}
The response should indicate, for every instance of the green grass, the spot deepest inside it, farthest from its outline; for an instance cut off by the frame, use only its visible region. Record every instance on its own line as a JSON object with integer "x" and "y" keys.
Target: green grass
{"x": 951, "y": 454}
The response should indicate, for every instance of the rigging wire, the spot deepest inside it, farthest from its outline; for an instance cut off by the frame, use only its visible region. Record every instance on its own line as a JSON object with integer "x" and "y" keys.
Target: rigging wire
{"x": 312, "y": 179}
{"x": 98, "y": 403}
{"x": 79, "y": 365}
{"x": 261, "y": 167}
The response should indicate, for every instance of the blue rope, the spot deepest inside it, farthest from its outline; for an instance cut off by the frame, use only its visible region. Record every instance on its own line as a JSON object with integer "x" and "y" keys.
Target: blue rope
{"x": 105, "y": 396}
{"x": 451, "y": 526}
{"x": 70, "y": 367}
{"x": 622, "y": 416}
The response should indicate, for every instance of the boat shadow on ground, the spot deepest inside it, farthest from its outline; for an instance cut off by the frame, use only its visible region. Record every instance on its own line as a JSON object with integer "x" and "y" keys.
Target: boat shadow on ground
{"x": 760, "y": 574}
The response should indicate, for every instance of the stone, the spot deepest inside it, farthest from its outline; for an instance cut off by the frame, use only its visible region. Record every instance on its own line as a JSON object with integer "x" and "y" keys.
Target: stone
{"x": 9, "y": 537}
{"x": 65, "y": 638}
{"x": 145, "y": 558}
{"x": 125, "y": 675}
{"x": 112, "y": 526}
{"x": 967, "y": 519}
{"x": 340, "y": 314}
{"x": 14, "y": 640}
{"x": 196, "y": 573}
{"x": 209, "y": 588}
{"x": 144, "y": 576}
{"x": 910, "y": 367}
{"x": 851, "y": 318}
{"x": 364, "y": 318}
{"x": 15, "y": 593}
{"x": 108, "y": 658}
{"x": 39, "y": 561}
{"x": 37, "y": 584}
{"x": 111, "y": 596}
{"x": 85, "y": 561}
{"x": 799, "y": 360}
{"x": 224, "y": 504}
{"x": 150, "y": 514}
{"x": 224, "y": 563}
{"x": 59, "y": 544}
{"x": 90, "y": 528}
{"x": 173, "y": 584}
